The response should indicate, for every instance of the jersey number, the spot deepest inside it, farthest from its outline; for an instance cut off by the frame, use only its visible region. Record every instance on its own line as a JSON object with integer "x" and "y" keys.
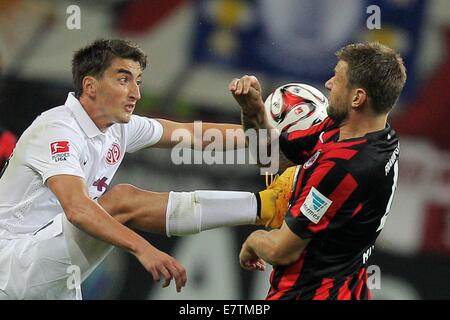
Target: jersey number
{"x": 388, "y": 208}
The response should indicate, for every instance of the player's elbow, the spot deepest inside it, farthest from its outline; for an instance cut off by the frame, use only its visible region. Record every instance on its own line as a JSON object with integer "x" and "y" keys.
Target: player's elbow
{"x": 75, "y": 212}
{"x": 74, "y": 215}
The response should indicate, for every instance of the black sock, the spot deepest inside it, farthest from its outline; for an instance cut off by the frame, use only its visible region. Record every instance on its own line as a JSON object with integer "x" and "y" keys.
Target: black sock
{"x": 258, "y": 204}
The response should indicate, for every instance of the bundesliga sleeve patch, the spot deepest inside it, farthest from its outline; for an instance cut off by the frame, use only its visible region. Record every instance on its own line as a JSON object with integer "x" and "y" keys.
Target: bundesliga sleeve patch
{"x": 60, "y": 150}
{"x": 315, "y": 205}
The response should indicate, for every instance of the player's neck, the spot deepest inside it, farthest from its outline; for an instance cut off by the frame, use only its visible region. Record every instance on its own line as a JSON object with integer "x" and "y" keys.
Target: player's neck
{"x": 95, "y": 114}
{"x": 358, "y": 125}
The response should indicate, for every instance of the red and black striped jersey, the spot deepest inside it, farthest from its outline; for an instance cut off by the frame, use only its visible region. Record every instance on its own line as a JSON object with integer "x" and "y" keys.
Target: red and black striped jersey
{"x": 341, "y": 198}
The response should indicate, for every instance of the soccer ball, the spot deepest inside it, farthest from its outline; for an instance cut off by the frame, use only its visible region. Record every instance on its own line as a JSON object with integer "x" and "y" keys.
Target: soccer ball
{"x": 295, "y": 106}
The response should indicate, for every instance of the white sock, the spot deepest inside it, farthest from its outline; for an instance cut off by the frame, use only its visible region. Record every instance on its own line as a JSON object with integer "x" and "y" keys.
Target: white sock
{"x": 181, "y": 216}
{"x": 193, "y": 212}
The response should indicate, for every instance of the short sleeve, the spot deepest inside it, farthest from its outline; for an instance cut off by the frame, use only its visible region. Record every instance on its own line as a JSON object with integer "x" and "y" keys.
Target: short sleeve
{"x": 297, "y": 145}
{"x": 142, "y": 132}
{"x": 326, "y": 202}
{"x": 54, "y": 148}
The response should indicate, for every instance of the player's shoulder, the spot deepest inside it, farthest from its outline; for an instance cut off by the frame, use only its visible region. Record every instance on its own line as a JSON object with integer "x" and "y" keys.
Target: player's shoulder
{"x": 370, "y": 161}
{"x": 136, "y": 119}
{"x": 137, "y": 123}
{"x": 59, "y": 117}
{"x": 58, "y": 120}
{"x": 120, "y": 128}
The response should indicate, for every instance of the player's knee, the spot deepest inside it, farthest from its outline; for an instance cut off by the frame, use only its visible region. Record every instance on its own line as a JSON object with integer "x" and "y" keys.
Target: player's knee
{"x": 116, "y": 200}
{"x": 124, "y": 189}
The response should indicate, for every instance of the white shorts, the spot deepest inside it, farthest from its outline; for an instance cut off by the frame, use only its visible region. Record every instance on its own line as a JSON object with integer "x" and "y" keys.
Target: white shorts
{"x": 51, "y": 264}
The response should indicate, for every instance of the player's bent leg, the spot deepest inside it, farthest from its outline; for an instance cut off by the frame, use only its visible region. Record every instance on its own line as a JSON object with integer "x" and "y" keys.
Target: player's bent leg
{"x": 178, "y": 213}
{"x": 184, "y": 213}
{"x": 136, "y": 208}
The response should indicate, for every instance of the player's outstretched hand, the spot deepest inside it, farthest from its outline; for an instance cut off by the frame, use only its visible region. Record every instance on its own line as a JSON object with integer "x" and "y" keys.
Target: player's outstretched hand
{"x": 160, "y": 264}
{"x": 247, "y": 92}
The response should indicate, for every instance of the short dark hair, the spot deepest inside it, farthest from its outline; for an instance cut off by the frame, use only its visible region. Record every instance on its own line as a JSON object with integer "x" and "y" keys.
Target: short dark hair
{"x": 376, "y": 68}
{"x": 95, "y": 58}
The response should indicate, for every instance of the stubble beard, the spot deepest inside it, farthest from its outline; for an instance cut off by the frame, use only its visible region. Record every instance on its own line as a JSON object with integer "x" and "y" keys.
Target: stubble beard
{"x": 338, "y": 115}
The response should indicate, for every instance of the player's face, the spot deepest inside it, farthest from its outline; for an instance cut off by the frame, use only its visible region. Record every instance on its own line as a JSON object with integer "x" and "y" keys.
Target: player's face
{"x": 118, "y": 91}
{"x": 339, "y": 99}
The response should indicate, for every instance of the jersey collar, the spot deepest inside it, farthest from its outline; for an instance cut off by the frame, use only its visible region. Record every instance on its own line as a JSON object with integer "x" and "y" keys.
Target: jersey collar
{"x": 83, "y": 119}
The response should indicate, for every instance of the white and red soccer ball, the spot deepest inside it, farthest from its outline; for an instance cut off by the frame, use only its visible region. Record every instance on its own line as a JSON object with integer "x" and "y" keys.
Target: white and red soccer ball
{"x": 295, "y": 106}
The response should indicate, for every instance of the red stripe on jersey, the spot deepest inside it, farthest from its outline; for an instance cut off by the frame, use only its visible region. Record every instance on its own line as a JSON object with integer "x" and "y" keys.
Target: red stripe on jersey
{"x": 342, "y": 192}
{"x": 362, "y": 278}
{"x": 344, "y": 292}
{"x": 318, "y": 175}
{"x": 298, "y": 134}
{"x": 288, "y": 279}
{"x": 299, "y": 181}
{"x": 358, "y": 209}
{"x": 323, "y": 292}
{"x": 272, "y": 289}
{"x": 367, "y": 288}
{"x": 327, "y": 135}
{"x": 340, "y": 154}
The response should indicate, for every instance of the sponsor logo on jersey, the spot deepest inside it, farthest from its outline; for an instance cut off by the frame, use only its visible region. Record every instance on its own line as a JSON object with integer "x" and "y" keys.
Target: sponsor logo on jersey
{"x": 311, "y": 160}
{"x": 113, "y": 155}
{"x": 59, "y": 150}
{"x": 59, "y": 147}
{"x": 315, "y": 205}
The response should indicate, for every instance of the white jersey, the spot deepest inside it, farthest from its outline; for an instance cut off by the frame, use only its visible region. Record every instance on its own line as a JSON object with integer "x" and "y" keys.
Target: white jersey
{"x": 64, "y": 140}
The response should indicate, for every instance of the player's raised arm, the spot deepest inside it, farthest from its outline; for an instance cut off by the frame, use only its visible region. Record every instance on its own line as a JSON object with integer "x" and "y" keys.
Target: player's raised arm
{"x": 247, "y": 92}
{"x": 90, "y": 217}
{"x": 197, "y": 135}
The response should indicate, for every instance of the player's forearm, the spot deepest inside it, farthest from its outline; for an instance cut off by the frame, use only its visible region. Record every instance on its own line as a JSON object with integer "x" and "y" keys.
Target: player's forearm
{"x": 91, "y": 218}
{"x": 255, "y": 121}
{"x": 232, "y": 136}
{"x": 261, "y": 139}
{"x": 264, "y": 246}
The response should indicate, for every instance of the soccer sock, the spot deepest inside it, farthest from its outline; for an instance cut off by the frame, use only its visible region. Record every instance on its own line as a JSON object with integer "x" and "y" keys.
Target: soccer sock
{"x": 193, "y": 212}
{"x": 258, "y": 205}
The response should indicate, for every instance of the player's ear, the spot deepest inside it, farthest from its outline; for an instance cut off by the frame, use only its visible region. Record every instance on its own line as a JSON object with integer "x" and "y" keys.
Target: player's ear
{"x": 359, "y": 97}
{"x": 90, "y": 86}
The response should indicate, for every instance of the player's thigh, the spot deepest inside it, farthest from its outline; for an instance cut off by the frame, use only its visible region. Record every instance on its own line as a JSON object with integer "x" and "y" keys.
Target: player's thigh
{"x": 135, "y": 207}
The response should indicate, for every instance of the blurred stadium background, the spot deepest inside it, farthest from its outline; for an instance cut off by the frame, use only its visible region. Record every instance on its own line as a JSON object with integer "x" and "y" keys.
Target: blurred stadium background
{"x": 195, "y": 48}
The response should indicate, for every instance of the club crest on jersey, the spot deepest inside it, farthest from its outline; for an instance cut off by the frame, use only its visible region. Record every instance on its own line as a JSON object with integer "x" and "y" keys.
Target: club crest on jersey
{"x": 113, "y": 155}
{"x": 315, "y": 205}
{"x": 60, "y": 150}
{"x": 311, "y": 160}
